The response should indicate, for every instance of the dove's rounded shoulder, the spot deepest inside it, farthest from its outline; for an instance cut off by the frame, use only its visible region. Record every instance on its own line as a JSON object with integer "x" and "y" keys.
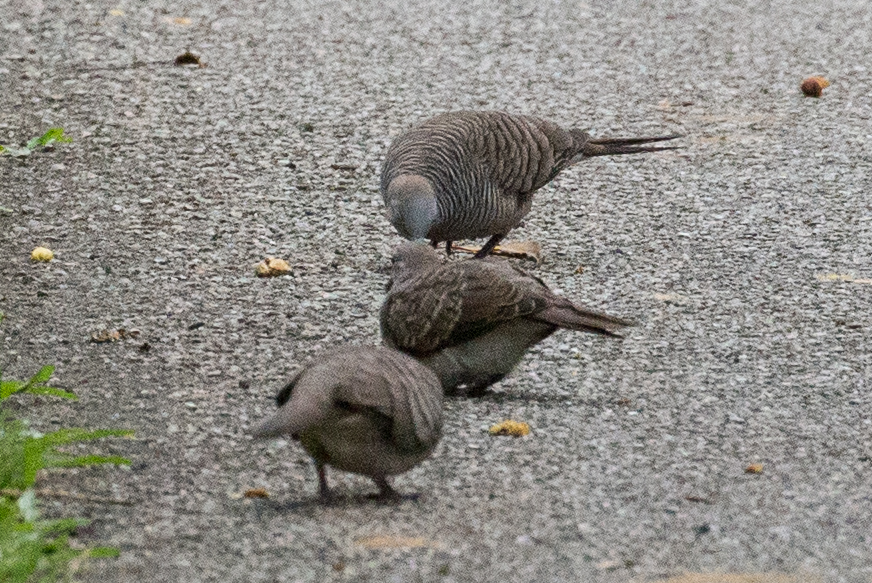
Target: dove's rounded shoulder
{"x": 497, "y": 269}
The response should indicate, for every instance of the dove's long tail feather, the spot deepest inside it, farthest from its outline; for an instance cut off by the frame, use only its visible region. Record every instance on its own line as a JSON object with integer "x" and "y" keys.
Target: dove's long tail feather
{"x": 616, "y": 146}
{"x": 567, "y": 315}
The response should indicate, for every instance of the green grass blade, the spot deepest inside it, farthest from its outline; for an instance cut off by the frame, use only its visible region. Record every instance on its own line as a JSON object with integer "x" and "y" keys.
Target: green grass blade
{"x": 48, "y": 138}
{"x": 73, "y": 434}
{"x": 9, "y": 388}
{"x": 60, "y": 526}
{"x": 51, "y": 391}
{"x": 36, "y": 386}
{"x": 33, "y": 453}
{"x": 84, "y": 461}
{"x": 55, "y": 135}
{"x": 42, "y": 376}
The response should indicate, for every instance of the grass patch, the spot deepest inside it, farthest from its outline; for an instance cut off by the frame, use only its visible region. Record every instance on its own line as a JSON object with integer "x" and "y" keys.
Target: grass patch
{"x": 47, "y": 140}
{"x": 33, "y": 549}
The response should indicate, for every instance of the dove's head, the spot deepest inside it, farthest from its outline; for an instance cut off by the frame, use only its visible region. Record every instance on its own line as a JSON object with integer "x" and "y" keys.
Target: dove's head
{"x": 307, "y": 400}
{"x": 412, "y": 258}
{"x": 412, "y": 208}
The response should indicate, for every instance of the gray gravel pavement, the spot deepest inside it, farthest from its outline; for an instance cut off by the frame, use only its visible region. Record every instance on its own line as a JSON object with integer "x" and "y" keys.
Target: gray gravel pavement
{"x": 180, "y": 179}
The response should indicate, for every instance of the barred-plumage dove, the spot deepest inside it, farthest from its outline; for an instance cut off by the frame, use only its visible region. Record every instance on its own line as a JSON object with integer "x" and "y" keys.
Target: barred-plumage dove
{"x": 472, "y": 174}
{"x": 472, "y": 321}
{"x": 368, "y": 410}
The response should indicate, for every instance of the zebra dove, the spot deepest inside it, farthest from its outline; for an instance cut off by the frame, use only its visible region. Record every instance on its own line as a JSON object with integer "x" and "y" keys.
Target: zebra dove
{"x": 472, "y": 321}
{"x": 472, "y": 174}
{"x": 368, "y": 410}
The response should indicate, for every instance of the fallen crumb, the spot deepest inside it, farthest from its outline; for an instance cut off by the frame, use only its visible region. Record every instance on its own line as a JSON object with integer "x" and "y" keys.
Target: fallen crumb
{"x": 272, "y": 266}
{"x": 255, "y": 493}
{"x": 188, "y": 58}
{"x": 814, "y": 86}
{"x": 41, "y": 254}
{"x": 509, "y": 427}
{"x": 114, "y": 335}
{"x": 754, "y": 469}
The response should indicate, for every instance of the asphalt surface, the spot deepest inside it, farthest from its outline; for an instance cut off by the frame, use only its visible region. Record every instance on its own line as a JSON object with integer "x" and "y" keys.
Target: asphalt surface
{"x": 744, "y": 257}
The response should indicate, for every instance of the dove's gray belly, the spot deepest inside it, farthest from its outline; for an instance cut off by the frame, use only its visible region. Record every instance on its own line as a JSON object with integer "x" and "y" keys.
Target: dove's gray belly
{"x": 355, "y": 444}
{"x": 484, "y": 360}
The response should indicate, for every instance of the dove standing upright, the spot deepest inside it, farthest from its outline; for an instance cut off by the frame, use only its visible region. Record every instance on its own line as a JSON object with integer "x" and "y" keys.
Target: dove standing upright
{"x": 368, "y": 410}
{"x": 472, "y": 321}
{"x": 472, "y": 174}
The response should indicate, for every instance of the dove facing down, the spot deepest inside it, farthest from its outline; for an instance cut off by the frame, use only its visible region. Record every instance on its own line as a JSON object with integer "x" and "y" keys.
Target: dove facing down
{"x": 368, "y": 410}
{"x": 472, "y": 174}
{"x": 472, "y": 321}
